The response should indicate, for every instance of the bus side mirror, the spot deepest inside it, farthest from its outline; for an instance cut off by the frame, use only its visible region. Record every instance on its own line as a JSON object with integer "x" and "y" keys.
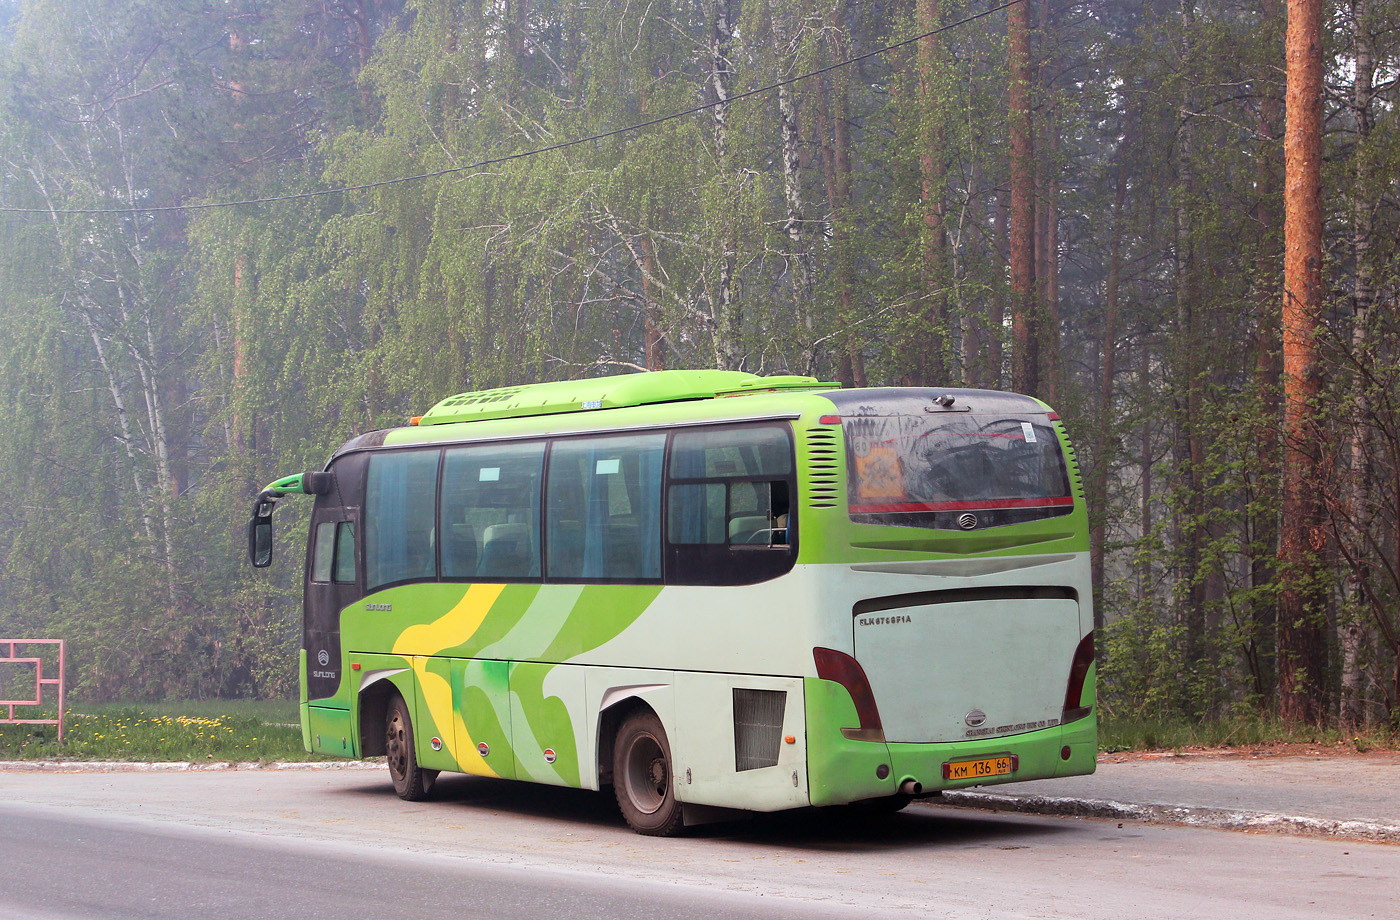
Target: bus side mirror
{"x": 260, "y": 535}
{"x": 313, "y": 483}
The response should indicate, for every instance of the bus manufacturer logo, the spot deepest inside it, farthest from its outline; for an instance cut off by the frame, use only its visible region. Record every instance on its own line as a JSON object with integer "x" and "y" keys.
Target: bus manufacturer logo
{"x": 323, "y": 658}
{"x": 967, "y": 521}
{"x": 975, "y": 718}
{"x": 379, "y": 606}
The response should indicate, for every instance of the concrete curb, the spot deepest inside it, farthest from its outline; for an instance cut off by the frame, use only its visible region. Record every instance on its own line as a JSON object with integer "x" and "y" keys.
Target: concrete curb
{"x": 123, "y": 766}
{"x": 1193, "y": 816}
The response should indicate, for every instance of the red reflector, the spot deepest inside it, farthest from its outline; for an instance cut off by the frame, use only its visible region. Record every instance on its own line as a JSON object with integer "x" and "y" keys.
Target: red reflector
{"x": 846, "y": 671}
{"x": 1054, "y": 416}
{"x": 830, "y": 420}
{"x": 354, "y": 666}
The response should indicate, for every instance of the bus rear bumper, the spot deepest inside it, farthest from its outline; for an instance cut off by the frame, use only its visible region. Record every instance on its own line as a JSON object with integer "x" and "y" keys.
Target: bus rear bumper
{"x": 1064, "y": 750}
{"x": 842, "y": 770}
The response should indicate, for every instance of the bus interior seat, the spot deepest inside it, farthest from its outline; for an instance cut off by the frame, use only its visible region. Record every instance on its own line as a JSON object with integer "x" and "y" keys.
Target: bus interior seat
{"x": 624, "y": 558}
{"x": 566, "y": 548}
{"x": 419, "y": 550}
{"x": 460, "y": 553}
{"x": 506, "y": 552}
{"x": 742, "y": 529}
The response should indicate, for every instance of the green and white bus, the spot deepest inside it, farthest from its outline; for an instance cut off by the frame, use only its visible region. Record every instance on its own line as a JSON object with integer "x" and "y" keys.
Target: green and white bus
{"x": 706, "y": 589}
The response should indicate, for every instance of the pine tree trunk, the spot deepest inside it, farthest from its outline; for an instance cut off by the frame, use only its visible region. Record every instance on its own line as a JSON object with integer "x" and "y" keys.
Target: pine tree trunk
{"x": 1025, "y": 361}
{"x": 1350, "y": 629}
{"x": 931, "y": 335}
{"x": 1301, "y": 634}
{"x": 800, "y": 274}
{"x": 996, "y": 304}
{"x": 1098, "y": 534}
{"x": 1268, "y": 364}
{"x": 836, "y": 161}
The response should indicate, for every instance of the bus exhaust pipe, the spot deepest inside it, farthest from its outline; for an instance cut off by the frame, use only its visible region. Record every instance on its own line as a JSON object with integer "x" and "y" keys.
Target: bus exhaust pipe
{"x": 911, "y": 787}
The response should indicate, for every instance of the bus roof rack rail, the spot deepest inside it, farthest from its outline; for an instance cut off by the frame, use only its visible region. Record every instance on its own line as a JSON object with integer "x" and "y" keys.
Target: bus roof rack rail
{"x": 609, "y": 393}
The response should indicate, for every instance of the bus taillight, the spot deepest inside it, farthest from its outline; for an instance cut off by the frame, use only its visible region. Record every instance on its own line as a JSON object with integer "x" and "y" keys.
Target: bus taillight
{"x": 846, "y": 671}
{"x": 1078, "y": 674}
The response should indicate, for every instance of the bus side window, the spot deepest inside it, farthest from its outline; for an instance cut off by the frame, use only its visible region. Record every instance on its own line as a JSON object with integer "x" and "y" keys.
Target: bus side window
{"x": 400, "y": 508}
{"x": 736, "y": 502}
{"x": 324, "y": 552}
{"x": 344, "y": 571}
{"x": 490, "y": 511}
{"x": 604, "y": 500}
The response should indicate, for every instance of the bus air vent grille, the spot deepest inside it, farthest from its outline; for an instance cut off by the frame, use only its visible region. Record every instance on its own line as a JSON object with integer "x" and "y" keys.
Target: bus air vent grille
{"x": 758, "y": 727}
{"x": 823, "y": 466}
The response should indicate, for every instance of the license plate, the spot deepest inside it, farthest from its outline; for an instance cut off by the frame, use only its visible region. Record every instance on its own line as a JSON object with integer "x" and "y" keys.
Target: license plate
{"x": 980, "y": 769}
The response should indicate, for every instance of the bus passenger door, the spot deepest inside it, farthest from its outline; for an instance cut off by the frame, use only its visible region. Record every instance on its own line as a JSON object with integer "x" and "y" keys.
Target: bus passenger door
{"x": 332, "y": 584}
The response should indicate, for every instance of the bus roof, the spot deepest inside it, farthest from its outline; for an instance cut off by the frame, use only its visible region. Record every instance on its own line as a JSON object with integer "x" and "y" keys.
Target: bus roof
{"x": 608, "y": 393}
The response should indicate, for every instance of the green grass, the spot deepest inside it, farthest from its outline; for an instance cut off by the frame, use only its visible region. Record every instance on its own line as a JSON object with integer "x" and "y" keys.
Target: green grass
{"x": 196, "y": 731}
{"x": 1150, "y": 735}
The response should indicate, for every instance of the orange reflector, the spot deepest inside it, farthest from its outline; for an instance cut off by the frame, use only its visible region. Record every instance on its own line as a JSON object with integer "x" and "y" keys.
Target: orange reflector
{"x": 415, "y": 420}
{"x": 354, "y": 666}
{"x": 790, "y": 739}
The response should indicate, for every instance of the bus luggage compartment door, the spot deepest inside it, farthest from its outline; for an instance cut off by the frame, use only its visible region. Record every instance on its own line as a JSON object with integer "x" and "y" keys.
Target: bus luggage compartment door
{"x": 958, "y": 665}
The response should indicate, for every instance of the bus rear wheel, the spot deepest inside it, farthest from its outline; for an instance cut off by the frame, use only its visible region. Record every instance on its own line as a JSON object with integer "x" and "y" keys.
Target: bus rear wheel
{"x": 642, "y": 776}
{"x": 411, "y": 782}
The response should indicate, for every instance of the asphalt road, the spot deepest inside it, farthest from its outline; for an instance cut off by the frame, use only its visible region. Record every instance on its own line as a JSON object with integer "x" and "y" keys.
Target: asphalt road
{"x": 334, "y": 844}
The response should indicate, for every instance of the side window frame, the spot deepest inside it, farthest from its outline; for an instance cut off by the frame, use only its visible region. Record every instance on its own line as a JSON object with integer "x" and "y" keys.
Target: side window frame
{"x": 340, "y": 558}
{"x": 728, "y": 562}
{"x": 636, "y": 499}
{"x": 369, "y": 525}
{"x": 538, "y": 510}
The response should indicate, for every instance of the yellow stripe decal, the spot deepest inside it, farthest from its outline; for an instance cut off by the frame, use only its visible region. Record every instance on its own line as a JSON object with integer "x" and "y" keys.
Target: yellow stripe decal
{"x": 452, "y": 628}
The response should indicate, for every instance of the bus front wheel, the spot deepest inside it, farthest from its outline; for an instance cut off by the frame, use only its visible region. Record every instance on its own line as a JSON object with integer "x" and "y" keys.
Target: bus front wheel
{"x": 411, "y": 782}
{"x": 642, "y": 776}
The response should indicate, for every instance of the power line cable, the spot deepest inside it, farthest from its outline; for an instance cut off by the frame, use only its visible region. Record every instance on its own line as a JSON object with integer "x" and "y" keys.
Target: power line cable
{"x": 524, "y": 153}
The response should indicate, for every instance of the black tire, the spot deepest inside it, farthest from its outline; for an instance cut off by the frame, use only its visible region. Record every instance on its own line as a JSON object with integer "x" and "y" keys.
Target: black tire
{"x": 642, "y": 779}
{"x": 411, "y": 782}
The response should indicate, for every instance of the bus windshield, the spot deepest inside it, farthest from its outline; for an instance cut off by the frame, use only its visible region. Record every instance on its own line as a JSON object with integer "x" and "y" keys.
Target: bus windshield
{"x": 1004, "y": 469}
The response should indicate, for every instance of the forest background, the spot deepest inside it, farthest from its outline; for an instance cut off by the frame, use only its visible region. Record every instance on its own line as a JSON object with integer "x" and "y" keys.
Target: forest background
{"x": 1081, "y": 200}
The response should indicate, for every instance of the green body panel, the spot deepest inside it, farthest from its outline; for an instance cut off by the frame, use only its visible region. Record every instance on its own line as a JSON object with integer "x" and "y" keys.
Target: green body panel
{"x": 432, "y": 673}
{"x": 1039, "y": 754}
{"x": 481, "y": 694}
{"x": 301, "y": 700}
{"x": 840, "y": 770}
{"x": 476, "y": 661}
{"x": 331, "y": 732}
{"x": 541, "y": 723}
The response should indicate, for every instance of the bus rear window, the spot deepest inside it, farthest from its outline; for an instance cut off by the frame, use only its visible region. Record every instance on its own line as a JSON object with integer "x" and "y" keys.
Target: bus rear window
{"x": 954, "y": 471}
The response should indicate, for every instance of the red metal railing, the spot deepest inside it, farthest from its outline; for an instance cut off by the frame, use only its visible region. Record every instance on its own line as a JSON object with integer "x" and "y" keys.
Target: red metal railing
{"x": 40, "y": 681}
